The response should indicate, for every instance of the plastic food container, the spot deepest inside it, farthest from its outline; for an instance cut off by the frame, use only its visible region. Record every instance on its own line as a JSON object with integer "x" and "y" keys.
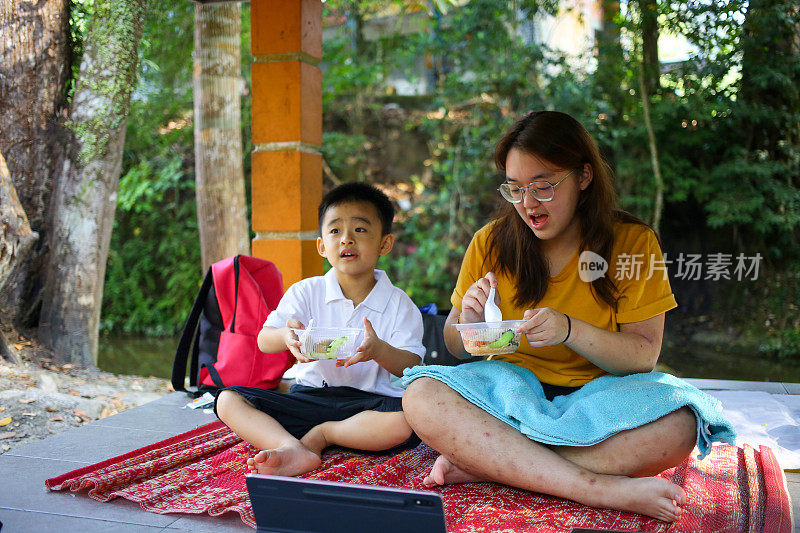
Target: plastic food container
{"x": 490, "y": 338}
{"x": 328, "y": 343}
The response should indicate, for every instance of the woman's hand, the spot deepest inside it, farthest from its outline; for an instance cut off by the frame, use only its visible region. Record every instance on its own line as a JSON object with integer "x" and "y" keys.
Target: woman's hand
{"x": 474, "y": 301}
{"x": 545, "y": 327}
{"x": 291, "y": 340}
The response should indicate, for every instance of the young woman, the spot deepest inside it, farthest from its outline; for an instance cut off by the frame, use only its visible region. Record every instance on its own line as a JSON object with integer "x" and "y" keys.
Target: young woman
{"x": 529, "y": 419}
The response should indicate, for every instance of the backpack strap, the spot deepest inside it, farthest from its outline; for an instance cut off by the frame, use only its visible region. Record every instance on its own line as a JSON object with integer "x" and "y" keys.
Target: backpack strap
{"x": 182, "y": 352}
{"x": 212, "y": 372}
{"x": 194, "y": 359}
{"x": 214, "y": 375}
{"x": 235, "y": 296}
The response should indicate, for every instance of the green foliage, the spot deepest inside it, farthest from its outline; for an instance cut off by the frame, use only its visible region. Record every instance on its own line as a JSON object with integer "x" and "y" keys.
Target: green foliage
{"x": 80, "y": 11}
{"x": 345, "y": 154}
{"x": 153, "y": 262}
{"x": 726, "y": 124}
{"x": 153, "y": 269}
{"x": 726, "y": 129}
{"x": 785, "y": 344}
{"x": 487, "y": 72}
{"x": 154, "y": 265}
{"x": 107, "y": 79}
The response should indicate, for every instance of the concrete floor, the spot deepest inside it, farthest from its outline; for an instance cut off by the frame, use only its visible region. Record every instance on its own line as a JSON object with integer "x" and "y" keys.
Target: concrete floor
{"x": 26, "y": 505}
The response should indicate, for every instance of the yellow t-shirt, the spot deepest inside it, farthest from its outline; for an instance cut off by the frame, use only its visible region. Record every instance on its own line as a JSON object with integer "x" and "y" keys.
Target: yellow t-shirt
{"x": 636, "y": 255}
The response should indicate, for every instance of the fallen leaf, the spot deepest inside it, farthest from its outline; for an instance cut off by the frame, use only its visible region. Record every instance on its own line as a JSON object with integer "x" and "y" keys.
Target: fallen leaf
{"x": 82, "y": 416}
{"x": 6, "y": 421}
{"x": 68, "y": 366}
{"x": 7, "y": 435}
{"x": 51, "y": 409}
{"x": 29, "y": 414}
{"x": 19, "y": 345}
{"x": 2, "y": 408}
{"x": 106, "y": 412}
{"x": 74, "y": 392}
{"x": 57, "y": 419}
{"x": 27, "y": 400}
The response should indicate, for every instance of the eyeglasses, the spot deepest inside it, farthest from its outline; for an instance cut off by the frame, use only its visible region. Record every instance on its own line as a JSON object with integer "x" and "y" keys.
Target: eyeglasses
{"x": 542, "y": 190}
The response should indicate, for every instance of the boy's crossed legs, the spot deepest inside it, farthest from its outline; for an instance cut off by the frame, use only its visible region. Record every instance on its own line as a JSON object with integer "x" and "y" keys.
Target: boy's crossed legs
{"x": 284, "y": 454}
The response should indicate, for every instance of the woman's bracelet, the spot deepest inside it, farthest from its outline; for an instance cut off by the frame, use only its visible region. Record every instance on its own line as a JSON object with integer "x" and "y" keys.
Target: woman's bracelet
{"x": 569, "y": 329}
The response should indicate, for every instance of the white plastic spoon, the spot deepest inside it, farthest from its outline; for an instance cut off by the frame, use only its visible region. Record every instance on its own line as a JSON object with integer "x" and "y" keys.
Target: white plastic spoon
{"x": 491, "y": 312}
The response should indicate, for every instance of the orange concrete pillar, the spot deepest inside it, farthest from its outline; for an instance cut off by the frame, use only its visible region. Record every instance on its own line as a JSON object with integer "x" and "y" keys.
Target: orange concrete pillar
{"x": 286, "y": 38}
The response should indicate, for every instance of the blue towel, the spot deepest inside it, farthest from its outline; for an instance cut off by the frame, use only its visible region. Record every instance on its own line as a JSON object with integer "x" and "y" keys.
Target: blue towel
{"x": 599, "y": 409}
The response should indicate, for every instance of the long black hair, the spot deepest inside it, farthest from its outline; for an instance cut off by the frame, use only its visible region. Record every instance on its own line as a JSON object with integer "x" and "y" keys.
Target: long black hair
{"x": 562, "y": 141}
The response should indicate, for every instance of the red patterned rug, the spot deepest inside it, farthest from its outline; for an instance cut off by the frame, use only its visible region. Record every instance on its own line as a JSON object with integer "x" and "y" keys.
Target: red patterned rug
{"x": 202, "y": 471}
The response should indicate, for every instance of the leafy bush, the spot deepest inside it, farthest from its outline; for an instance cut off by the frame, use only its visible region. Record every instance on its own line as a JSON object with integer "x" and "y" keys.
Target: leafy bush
{"x": 725, "y": 121}
{"x": 153, "y": 261}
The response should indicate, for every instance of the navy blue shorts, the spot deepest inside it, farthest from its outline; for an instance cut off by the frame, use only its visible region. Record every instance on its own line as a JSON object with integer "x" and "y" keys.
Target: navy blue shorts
{"x": 304, "y": 407}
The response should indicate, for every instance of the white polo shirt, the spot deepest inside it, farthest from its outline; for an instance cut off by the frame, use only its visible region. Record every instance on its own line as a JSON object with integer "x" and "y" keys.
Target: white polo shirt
{"x": 393, "y": 315}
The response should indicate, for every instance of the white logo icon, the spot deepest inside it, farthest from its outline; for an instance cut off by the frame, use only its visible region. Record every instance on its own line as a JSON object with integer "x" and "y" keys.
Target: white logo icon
{"x": 591, "y": 266}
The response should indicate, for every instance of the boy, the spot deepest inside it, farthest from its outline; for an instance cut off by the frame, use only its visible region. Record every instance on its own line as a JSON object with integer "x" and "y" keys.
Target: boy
{"x": 352, "y": 403}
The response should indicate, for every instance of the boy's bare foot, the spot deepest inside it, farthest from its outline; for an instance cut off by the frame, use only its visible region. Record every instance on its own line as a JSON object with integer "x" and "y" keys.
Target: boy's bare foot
{"x": 444, "y": 473}
{"x": 289, "y": 460}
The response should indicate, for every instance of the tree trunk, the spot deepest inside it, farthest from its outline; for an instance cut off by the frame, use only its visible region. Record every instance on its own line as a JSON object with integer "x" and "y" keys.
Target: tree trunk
{"x": 769, "y": 54}
{"x": 34, "y": 68}
{"x": 648, "y": 12}
{"x": 610, "y": 74}
{"x": 87, "y": 181}
{"x": 658, "y": 181}
{"x": 221, "y": 207}
{"x": 16, "y": 238}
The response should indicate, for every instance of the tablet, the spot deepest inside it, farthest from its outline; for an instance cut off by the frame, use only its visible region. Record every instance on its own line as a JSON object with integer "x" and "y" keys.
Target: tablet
{"x": 290, "y": 504}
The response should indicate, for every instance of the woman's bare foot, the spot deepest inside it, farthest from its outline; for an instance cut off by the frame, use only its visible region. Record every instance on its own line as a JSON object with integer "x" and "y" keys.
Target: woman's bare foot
{"x": 651, "y": 496}
{"x": 289, "y": 460}
{"x": 444, "y": 473}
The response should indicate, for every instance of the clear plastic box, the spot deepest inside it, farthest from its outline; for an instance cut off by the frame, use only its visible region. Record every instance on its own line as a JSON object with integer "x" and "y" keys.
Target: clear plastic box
{"x": 490, "y": 338}
{"x": 328, "y": 343}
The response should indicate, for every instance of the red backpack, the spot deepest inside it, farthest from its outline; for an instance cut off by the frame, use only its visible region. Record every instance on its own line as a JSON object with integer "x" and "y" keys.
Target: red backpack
{"x": 230, "y": 309}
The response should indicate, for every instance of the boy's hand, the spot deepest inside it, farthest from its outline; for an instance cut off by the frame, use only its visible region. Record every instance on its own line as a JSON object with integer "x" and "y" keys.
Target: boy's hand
{"x": 291, "y": 340}
{"x": 371, "y": 348}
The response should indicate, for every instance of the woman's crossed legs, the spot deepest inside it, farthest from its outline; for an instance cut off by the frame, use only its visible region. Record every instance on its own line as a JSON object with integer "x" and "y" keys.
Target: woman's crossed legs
{"x": 476, "y": 446}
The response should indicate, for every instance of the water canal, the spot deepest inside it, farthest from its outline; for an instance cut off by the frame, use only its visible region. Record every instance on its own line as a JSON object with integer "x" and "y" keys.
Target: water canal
{"x": 153, "y": 357}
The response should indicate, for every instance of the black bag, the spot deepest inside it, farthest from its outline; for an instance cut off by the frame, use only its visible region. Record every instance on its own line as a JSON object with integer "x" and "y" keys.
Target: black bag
{"x": 436, "y": 352}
